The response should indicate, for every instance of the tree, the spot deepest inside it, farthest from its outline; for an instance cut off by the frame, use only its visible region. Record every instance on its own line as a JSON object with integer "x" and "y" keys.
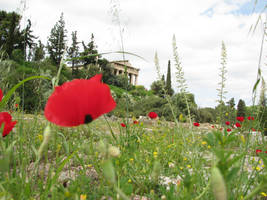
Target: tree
{"x": 28, "y": 40}
{"x": 231, "y": 112}
{"x": 157, "y": 88}
{"x": 57, "y": 41}
{"x": 39, "y": 51}
{"x": 169, "y": 89}
{"x": 241, "y": 108}
{"x": 73, "y": 51}
{"x": 10, "y": 35}
{"x": 88, "y": 52}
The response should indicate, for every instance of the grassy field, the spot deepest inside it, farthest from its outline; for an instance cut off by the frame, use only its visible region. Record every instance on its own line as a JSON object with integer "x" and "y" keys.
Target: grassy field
{"x": 148, "y": 159}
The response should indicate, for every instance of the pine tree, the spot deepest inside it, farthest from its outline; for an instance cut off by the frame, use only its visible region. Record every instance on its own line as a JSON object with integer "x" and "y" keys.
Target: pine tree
{"x": 57, "y": 41}
{"x": 168, "y": 80}
{"x": 241, "y": 108}
{"x": 10, "y": 34}
{"x": 39, "y": 51}
{"x": 89, "y": 52}
{"x": 28, "y": 40}
{"x": 73, "y": 51}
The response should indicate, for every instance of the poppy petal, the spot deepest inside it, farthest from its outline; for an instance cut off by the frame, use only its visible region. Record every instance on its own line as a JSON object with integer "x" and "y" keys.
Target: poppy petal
{"x": 1, "y": 95}
{"x": 6, "y": 119}
{"x": 79, "y": 101}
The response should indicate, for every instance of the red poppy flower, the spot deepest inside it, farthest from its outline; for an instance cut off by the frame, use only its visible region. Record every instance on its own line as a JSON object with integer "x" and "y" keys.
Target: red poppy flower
{"x": 196, "y": 124}
{"x": 241, "y": 119}
{"x": 79, "y": 101}
{"x": 227, "y": 123}
{"x": 6, "y": 120}
{"x": 250, "y": 118}
{"x": 135, "y": 122}
{"x": 228, "y": 130}
{"x": 152, "y": 115}
{"x": 123, "y": 125}
{"x": 253, "y": 129}
{"x": 16, "y": 105}
{"x": 1, "y": 95}
{"x": 238, "y": 125}
{"x": 212, "y": 126}
{"x": 258, "y": 151}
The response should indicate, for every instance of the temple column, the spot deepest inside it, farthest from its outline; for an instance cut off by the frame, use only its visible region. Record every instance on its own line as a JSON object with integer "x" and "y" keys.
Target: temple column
{"x": 135, "y": 81}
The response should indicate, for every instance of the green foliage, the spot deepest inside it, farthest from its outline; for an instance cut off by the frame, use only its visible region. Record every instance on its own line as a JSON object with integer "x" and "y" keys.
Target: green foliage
{"x": 169, "y": 89}
{"x": 56, "y": 43}
{"x": 88, "y": 52}
{"x": 157, "y": 88}
{"x": 10, "y": 35}
{"x": 263, "y": 108}
{"x": 241, "y": 108}
{"x": 206, "y": 115}
{"x": 39, "y": 52}
{"x": 73, "y": 51}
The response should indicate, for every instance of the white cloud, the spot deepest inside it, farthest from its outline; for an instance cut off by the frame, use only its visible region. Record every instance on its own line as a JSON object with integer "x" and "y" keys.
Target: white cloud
{"x": 149, "y": 26}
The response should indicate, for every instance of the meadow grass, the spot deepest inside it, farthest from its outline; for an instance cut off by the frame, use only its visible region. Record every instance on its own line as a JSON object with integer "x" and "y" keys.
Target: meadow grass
{"x": 153, "y": 162}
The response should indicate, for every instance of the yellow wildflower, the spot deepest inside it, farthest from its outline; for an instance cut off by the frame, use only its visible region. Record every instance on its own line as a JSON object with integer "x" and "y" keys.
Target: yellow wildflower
{"x": 204, "y": 143}
{"x": 258, "y": 168}
{"x": 189, "y": 166}
{"x": 185, "y": 159}
{"x": 40, "y": 137}
{"x": 155, "y": 154}
{"x": 209, "y": 146}
{"x": 264, "y": 194}
{"x": 83, "y": 197}
{"x": 131, "y": 159}
{"x": 129, "y": 180}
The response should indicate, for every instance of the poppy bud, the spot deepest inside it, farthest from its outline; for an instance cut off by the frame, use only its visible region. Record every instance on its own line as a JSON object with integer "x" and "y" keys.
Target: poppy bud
{"x": 218, "y": 184}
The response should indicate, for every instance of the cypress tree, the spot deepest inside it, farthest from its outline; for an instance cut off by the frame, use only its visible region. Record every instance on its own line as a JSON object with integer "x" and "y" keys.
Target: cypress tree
{"x": 241, "y": 108}
{"x": 168, "y": 80}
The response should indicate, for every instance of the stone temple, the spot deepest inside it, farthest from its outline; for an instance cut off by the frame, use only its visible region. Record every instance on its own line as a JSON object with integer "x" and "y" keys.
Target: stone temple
{"x": 119, "y": 68}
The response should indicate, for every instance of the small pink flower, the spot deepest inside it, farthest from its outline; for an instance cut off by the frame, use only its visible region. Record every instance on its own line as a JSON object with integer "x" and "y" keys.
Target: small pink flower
{"x": 196, "y": 124}
{"x": 123, "y": 125}
{"x": 227, "y": 123}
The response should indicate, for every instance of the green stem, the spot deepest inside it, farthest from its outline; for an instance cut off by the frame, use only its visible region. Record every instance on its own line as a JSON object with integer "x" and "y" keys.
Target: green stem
{"x": 112, "y": 133}
{"x": 204, "y": 191}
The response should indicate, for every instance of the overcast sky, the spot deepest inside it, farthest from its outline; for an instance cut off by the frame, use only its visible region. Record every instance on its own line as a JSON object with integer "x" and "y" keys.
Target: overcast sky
{"x": 148, "y": 26}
